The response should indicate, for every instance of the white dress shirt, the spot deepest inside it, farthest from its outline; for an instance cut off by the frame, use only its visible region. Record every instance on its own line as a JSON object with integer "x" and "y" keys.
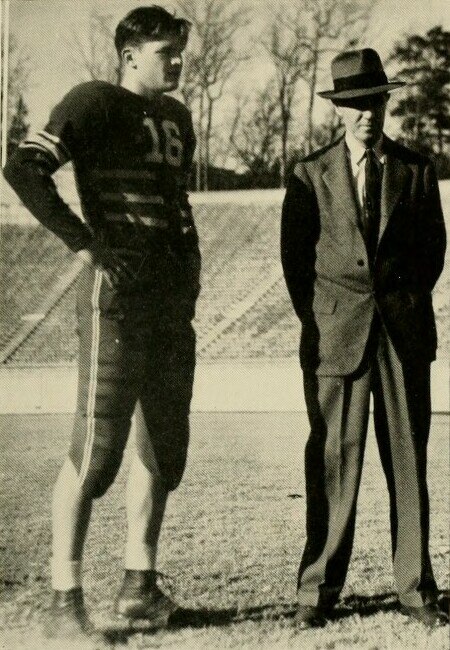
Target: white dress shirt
{"x": 356, "y": 153}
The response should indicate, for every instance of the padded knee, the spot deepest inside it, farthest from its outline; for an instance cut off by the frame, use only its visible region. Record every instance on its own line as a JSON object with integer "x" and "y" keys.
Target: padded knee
{"x": 99, "y": 472}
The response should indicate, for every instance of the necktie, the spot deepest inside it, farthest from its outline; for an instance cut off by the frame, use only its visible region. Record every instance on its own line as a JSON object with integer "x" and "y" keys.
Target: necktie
{"x": 372, "y": 203}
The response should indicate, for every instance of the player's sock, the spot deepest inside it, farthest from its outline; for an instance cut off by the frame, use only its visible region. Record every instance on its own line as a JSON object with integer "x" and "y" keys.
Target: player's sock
{"x": 66, "y": 574}
{"x": 140, "y": 557}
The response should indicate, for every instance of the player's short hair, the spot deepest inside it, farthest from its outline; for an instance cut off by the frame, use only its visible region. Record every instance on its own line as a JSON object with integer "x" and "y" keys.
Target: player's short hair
{"x": 151, "y": 23}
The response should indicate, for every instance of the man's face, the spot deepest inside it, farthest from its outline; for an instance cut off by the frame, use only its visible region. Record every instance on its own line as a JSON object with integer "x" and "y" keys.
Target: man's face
{"x": 158, "y": 64}
{"x": 363, "y": 117}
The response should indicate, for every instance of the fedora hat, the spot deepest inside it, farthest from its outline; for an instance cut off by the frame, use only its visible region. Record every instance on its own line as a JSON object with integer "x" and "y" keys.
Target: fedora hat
{"x": 358, "y": 73}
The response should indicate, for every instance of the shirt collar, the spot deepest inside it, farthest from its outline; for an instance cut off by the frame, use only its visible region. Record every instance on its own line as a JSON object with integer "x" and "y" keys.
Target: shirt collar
{"x": 357, "y": 150}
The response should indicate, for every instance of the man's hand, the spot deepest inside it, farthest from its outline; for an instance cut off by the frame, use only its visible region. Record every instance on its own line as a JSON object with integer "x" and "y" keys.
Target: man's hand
{"x": 115, "y": 265}
{"x": 86, "y": 256}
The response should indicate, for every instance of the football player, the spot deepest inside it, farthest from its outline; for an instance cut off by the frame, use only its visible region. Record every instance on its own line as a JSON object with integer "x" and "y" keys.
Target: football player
{"x": 131, "y": 147}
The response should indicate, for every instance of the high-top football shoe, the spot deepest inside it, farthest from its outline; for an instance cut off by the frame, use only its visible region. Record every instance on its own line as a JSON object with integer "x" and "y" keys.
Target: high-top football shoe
{"x": 68, "y": 618}
{"x": 140, "y": 598}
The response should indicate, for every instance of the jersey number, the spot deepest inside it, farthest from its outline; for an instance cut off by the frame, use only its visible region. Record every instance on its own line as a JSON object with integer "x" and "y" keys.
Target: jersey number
{"x": 173, "y": 153}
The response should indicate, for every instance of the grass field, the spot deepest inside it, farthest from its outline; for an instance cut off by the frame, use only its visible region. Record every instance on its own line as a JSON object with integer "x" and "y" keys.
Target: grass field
{"x": 231, "y": 540}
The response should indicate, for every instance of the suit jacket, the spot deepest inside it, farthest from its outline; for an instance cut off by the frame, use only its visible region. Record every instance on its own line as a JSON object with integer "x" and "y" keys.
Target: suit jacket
{"x": 326, "y": 266}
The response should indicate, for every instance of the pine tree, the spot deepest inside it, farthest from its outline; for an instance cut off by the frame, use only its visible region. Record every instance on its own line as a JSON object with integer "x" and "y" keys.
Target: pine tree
{"x": 423, "y": 108}
{"x": 18, "y": 126}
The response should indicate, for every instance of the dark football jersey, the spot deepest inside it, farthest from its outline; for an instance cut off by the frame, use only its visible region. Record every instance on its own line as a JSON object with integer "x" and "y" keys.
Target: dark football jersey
{"x": 131, "y": 158}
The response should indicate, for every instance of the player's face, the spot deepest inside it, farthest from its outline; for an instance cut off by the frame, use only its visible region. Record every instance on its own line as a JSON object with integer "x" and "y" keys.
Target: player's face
{"x": 364, "y": 117}
{"x": 158, "y": 64}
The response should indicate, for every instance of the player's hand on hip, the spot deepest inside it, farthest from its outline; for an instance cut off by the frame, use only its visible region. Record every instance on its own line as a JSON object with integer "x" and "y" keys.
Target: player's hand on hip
{"x": 86, "y": 256}
{"x": 118, "y": 266}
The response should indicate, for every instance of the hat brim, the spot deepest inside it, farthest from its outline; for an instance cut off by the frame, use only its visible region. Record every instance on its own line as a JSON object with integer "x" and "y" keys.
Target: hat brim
{"x": 361, "y": 92}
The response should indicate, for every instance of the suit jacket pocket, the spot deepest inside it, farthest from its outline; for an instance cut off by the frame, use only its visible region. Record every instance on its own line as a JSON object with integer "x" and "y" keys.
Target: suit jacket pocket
{"x": 324, "y": 303}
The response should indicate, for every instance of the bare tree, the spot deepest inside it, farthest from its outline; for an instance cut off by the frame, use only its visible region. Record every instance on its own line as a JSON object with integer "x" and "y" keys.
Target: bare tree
{"x": 333, "y": 25}
{"x": 255, "y": 138}
{"x": 210, "y": 61}
{"x": 289, "y": 59}
{"x": 328, "y": 130}
{"x": 301, "y": 38}
{"x": 94, "y": 55}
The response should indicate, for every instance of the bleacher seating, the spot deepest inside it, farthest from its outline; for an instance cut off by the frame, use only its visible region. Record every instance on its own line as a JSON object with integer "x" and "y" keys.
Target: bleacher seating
{"x": 243, "y": 311}
{"x": 239, "y": 249}
{"x": 31, "y": 261}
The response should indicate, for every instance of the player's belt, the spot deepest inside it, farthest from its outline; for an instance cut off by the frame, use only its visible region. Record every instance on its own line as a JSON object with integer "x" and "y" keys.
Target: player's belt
{"x": 145, "y": 220}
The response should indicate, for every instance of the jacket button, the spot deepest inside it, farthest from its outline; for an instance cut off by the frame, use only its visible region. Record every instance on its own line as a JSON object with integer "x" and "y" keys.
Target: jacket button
{"x": 360, "y": 262}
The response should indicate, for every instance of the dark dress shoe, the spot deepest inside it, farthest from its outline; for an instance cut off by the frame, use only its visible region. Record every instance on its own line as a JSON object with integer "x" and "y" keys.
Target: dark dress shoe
{"x": 429, "y": 615}
{"x": 308, "y": 616}
{"x": 67, "y": 617}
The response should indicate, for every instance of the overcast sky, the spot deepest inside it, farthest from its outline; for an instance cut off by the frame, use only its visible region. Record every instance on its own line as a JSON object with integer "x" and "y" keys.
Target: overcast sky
{"x": 44, "y": 27}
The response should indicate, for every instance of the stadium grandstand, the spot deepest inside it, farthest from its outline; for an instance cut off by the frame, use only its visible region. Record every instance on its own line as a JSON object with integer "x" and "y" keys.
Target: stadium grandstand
{"x": 243, "y": 312}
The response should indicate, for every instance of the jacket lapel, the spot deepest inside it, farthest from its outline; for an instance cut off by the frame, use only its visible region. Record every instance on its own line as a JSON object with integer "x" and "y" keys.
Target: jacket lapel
{"x": 396, "y": 175}
{"x": 337, "y": 178}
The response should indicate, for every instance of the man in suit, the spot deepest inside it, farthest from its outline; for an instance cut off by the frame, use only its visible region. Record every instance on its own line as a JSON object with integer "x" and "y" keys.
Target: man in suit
{"x": 362, "y": 245}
